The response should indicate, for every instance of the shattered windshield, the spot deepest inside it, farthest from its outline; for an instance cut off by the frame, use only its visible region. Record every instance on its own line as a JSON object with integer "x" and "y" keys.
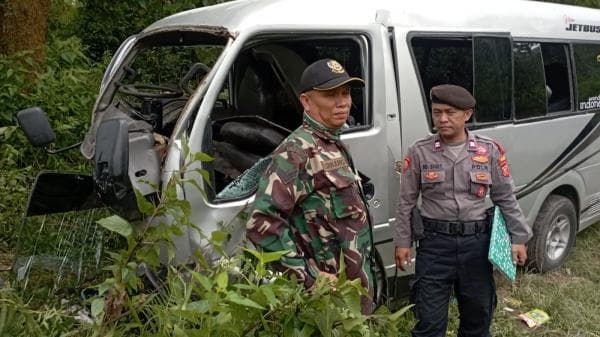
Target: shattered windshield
{"x": 157, "y": 83}
{"x": 154, "y": 79}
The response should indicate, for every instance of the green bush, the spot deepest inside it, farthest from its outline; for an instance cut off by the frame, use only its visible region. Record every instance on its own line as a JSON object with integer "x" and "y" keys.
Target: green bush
{"x": 237, "y": 296}
{"x": 65, "y": 87}
{"x": 104, "y": 24}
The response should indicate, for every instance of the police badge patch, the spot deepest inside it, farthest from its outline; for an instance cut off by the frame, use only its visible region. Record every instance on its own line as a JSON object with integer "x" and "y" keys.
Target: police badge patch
{"x": 335, "y": 67}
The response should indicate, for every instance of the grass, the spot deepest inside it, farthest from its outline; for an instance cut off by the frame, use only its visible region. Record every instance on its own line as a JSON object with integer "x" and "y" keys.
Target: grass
{"x": 569, "y": 296}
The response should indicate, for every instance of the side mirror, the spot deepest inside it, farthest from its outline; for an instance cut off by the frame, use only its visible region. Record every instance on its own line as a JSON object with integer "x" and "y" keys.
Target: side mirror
{"x": 34, "y": 123}
{"x": 111, "y": 160}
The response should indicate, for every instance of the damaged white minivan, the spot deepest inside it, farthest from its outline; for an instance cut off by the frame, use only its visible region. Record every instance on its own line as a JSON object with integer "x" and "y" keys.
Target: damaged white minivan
{"x": 225, "y": 79}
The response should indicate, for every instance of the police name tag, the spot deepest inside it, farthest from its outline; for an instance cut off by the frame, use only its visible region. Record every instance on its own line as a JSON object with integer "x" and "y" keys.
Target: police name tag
{"x": 500, "y": 252}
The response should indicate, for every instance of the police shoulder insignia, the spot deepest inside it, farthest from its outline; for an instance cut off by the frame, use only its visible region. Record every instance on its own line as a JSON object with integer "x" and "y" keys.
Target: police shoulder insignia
{"x": 502, "y": 160}
{"x": 335, "y": 67}
{"x": 500, "y": 148}
{"x": 505, "y": 171}
{"x": 406, "y": 164}
{"x": 503, "y": 165}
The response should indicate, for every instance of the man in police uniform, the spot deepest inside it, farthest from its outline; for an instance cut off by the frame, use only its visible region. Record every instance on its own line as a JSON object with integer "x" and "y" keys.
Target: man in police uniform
{"x": 309, "y": 201}
{"x": 453, "y": 171}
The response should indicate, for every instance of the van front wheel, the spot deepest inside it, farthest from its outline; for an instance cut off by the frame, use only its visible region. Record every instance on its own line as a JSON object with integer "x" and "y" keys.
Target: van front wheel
{"x": 553, "y": 234}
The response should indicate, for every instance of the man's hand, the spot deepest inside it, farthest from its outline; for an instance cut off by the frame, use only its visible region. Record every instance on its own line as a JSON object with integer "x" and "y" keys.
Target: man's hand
{"x": 519, "y": 254}
{"x": 403, "y": 258}
{"x": 331, "y": 279}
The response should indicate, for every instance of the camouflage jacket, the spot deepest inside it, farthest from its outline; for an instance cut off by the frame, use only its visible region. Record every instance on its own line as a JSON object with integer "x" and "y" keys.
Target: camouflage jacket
{"x": 309, "y": 202}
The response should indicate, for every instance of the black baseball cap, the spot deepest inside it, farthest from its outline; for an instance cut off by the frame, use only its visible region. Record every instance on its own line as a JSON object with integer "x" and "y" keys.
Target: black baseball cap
{"x": 326, "y": 74}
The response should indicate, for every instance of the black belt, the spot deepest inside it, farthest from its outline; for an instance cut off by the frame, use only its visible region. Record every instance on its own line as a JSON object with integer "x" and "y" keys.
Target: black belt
{"x": 456, "y": 227}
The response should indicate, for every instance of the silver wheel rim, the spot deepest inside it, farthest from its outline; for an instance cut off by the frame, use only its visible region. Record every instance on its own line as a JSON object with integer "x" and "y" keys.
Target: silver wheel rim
{"x": 558, "y": 237}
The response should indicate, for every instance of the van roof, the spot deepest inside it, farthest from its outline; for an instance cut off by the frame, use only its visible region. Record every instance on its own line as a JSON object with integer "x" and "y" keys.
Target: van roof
{"x": 521, "y": 18}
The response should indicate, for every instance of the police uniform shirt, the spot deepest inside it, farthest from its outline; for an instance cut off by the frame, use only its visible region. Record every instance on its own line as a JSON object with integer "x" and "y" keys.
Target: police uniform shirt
{"x": 454, "y": 188}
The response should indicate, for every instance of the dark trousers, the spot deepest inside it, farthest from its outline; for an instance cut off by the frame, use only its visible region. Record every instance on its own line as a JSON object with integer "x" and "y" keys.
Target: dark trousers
{"x": 444, "y": 261}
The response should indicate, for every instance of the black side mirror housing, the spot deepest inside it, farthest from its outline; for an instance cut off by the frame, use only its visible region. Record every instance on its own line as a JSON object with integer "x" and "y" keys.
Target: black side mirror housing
{"x": 34, "y": 123}
{"x": 111, "y": 160}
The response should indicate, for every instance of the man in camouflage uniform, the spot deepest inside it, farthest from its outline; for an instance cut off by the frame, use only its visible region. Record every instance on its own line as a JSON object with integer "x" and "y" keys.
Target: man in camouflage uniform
{"x": 453, "y": 171}
{"x": 309, "y": 201}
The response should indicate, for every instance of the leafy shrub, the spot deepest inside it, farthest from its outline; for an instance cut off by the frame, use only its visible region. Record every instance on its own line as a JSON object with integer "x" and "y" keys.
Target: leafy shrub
{"x": 18, "y": 318}
{"x": 237, "y": 296}
{"x": 65, "y": 88}
{"x": 103, "y": 24}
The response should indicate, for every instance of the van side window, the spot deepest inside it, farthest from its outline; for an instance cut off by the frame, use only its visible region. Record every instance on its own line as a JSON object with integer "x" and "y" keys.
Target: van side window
{"x": 587, "y": 64}
{"x": 493, "y": 78}
{"x": 542, "y": 81}
{"x": 259, "y": 106}
{"x": 556, "y": 70}
{"x": 448, "y": 60}
{"x": 530, "y": 87}
{"x": 481, "y": 64}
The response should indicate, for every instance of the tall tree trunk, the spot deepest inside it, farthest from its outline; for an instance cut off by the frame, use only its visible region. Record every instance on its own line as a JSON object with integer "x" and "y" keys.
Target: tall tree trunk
{"x": 23, "y": 26}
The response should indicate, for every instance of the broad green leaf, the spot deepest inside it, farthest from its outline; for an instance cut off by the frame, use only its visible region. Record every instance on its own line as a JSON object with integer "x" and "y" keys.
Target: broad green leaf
{"x": 104, "y": 286}
{"x": 185, "y": 147}
{"x": 98, "y": 308}
{"x": 237, "y": 298}
{"x": 116, "y": 224}
{"x": 145, "y": 206}
{"x": 307, "y": 331}
{"x": 325, "y": 320}
{"x": 267, "y": 257}
{"x": 200, "y": 306}
{"x": 223, "y": 318}
{"x": 115, "y": 256}
{"x": 205, "y": 175}
{"x": 150, "y": 255}
{"x": 222, "y": 280}
{"x": 200, "y": 156}
{"x": 178, "y": 332}
{"x": 349, "y": 324}
{"x": 342, "y": 270}
{"x": 244, "y": 286}
{"x": 203, "y": 280}
{"x": 395, "y": 316}
{"x": 267, "y": 291}
{"x": 194, "y": 183}
{"x": 219, "y": 236}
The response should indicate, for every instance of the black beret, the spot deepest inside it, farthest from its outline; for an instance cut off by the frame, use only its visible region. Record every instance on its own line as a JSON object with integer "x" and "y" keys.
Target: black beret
{"x": 326, "y": 74}
{"x": 453, "y": 95}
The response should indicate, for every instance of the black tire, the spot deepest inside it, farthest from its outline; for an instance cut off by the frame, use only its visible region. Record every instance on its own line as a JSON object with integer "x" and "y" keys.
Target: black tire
{"x": 553, "y": 234}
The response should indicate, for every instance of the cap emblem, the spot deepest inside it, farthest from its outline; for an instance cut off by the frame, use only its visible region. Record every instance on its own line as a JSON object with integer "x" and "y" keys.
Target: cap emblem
{"x": 335, "y": 67}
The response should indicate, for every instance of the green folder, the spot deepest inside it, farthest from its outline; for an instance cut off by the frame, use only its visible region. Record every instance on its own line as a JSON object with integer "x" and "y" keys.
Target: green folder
{"x": 500, "y": 253}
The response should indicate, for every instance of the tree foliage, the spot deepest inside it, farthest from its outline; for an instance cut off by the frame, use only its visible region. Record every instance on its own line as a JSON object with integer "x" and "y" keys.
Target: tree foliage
{"x": 104, "y": 24}
{"x": 584, "y": 3}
